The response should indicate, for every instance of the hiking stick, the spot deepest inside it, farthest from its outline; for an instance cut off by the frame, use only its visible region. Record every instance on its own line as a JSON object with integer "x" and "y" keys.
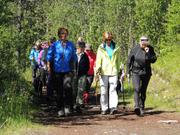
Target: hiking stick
{"x": 122, "y": 89}
{"x": 97, "y": 80}
{"x": 98, "y": 73}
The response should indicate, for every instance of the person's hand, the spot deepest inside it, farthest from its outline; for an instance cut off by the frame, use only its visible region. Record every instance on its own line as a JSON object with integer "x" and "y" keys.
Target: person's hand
{"x": 146, "y": 49}
{"x": 96, "y": 77}
{"x": 72, "y": 74}
{"x": 123, "y": 75}
{"x": 49, "y": 70}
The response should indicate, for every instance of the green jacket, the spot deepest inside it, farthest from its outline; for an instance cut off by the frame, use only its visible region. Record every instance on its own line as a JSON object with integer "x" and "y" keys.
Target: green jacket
{"x": 104, "y": 64}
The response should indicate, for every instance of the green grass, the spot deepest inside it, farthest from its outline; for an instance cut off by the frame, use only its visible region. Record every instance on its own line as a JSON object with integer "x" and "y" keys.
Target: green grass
{"x": 164, "y": 86}
{"x": 168, "y": 65}
{"x": 14, "y": 127}
{"x": 22, "y": 127}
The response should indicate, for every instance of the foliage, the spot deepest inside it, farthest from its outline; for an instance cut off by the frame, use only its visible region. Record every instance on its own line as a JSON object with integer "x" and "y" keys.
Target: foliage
{"x": 19, "y": 28}
{"x": 172, "y": 35}
{"x": 164, "y": 89}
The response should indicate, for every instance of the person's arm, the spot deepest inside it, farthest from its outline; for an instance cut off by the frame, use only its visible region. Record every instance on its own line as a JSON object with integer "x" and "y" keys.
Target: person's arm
{"x": 150, "y": 55}
{"x": 31, "y": 56}
{"x": 130, "y": 61}
{"x": 87, "y": 63}
{"x": 49, "y": 57}
{"x": 74, "y": 60}
{"x": 98, "y": 62}
{"x": 40, "y": 57}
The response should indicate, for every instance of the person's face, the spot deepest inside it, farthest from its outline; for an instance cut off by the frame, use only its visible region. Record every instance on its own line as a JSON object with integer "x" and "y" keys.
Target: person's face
{"x": 79, "y": 50}
{"x": 144, "y": 43}
{"x": 108, "y": 41}
{"x": 63, "y": 35}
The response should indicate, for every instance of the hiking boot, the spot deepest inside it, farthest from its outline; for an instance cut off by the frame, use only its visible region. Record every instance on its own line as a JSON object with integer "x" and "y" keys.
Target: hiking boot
{"x": 137, "y": 111}
{"x": 113, "y": 111}
{"x": 61, "y": 113}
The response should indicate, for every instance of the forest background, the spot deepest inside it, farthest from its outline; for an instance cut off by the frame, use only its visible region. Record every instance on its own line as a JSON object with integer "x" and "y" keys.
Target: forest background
{"x": 22, "y": 22}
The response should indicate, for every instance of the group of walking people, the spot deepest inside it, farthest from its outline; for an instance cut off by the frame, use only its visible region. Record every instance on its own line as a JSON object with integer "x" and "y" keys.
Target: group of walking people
{"x": 71, "y": 70}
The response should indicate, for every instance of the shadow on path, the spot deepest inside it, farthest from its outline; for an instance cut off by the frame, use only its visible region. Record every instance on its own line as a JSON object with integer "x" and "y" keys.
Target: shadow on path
{"x": 47, "y": 115}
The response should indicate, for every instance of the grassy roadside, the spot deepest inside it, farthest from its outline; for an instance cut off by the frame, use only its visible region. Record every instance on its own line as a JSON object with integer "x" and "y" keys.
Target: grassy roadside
{"x": 164, "y": 87}
{"x": 22, "y": 127}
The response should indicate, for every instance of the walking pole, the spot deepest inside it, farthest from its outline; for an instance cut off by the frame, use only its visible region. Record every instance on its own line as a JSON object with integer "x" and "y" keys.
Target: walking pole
{"x": 97, "y": 80}
{"x": 122, "y": 89}
{"x": 122, "y": 77}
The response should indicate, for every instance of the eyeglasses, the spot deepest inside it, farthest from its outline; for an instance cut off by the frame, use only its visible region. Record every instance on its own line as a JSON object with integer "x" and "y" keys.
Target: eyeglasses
{"x": 108, "y": 39}
{"x": 144, "y": 39}
{"x": 62, "y": 33}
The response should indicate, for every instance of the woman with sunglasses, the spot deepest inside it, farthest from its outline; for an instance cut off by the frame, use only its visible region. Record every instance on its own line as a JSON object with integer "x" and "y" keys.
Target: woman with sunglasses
{"x": 62, "y": 55}
{"x": 108, "y": 66}
{"x": 139, "y": 63}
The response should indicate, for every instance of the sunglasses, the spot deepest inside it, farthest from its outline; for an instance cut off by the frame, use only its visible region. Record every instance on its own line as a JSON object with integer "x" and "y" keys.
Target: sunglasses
{"x": 62, "y": 33}
{"x": 144, "y": 39}
{"x": 108, "y": 39}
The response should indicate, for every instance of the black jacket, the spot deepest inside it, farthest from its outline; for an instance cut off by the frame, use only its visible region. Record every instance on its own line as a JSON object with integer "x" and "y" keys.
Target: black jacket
{"x": 139, "y": 62}
{"x": 83, "y": 65}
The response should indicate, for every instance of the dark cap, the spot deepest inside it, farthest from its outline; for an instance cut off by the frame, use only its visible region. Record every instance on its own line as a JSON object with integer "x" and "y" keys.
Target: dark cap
{"x": 80, "y": 45}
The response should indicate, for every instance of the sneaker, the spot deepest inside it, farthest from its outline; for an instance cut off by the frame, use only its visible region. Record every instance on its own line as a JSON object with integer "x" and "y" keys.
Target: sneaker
{"x": 78, "y": 109}
{"x": 142, "y": 111}
{"x": 60, "y": 113}
{"x": 104, "y": 112}
{"x": 113, "y": 111}
{"x": 67, "y": 111}
{"x": 137, "y": 111}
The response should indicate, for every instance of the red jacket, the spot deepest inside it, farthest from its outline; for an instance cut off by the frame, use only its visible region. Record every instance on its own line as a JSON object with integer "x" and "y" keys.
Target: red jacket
{"x": 92, "y": 58}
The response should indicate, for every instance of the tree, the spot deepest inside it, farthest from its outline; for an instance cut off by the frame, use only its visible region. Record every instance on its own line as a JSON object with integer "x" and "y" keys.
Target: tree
{"x": 150, "y": 17}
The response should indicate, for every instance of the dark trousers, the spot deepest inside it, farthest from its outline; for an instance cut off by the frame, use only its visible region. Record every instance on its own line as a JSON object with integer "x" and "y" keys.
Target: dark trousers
{"x": 140, "y": 83}
{"x": 50, "y": 84}
{"x": 36, "y": 80}
{"x": 64, "y": 90}
{"x": 34, "y": 73}
{"x": 89, "y": 82}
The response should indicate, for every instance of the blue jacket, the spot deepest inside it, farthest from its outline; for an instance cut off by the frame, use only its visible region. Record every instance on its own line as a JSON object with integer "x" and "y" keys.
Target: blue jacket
{"x": 34, "y": 57}
{"x": 62, "y": 57}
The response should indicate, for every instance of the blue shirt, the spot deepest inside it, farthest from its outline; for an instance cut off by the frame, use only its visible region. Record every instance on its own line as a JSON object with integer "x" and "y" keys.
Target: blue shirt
{"x": 34, "y": 56}
{"x": 109, "y": 50}
{"x": 62, "y": 56}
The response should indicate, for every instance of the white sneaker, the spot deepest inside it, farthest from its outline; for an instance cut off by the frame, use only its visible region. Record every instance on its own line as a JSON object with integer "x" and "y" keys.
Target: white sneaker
{"x": 67, "y": 111}
{"x": 60, "y": 113}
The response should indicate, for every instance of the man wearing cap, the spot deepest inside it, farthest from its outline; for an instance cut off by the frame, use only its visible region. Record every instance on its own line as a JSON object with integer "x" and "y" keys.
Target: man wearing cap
{"x": 139, "y": 64}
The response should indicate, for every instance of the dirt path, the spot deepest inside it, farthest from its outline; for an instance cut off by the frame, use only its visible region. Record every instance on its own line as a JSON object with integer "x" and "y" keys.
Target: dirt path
{"x": 124, "y": 123}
